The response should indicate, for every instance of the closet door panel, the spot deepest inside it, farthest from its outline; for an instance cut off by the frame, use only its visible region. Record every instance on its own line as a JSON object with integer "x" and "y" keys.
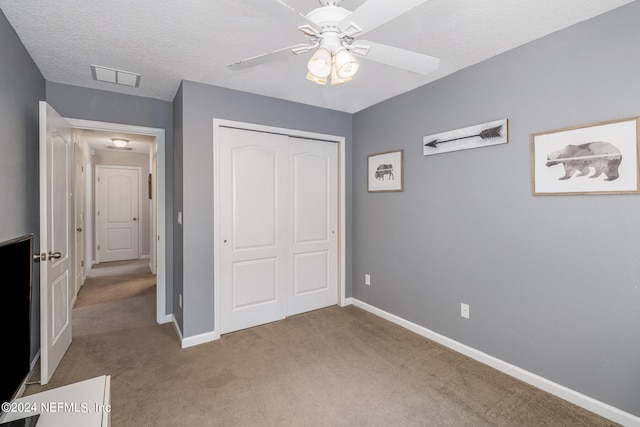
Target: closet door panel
{"x": 253, "y": 226}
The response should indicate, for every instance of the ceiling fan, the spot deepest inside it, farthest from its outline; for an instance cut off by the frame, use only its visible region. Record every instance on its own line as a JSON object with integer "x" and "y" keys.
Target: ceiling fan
{"x": 331, "y": 31}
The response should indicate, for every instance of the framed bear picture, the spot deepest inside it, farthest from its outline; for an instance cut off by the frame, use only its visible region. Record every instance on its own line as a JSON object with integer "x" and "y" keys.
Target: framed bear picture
{"x": 384, "y": 172}
{"x": 601, "y": 158}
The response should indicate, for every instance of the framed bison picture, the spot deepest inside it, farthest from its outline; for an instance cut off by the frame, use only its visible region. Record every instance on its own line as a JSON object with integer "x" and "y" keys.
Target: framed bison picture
{"x": 595, "y": 159}
{"x": 384, "y": 171}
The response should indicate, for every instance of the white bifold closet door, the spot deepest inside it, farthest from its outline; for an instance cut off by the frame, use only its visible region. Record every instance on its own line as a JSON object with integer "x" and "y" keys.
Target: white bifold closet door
{"x": 278, "y": 227}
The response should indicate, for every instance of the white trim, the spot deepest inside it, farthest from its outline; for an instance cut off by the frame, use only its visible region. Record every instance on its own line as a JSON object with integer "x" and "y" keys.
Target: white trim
{"x": 34, "y": 362}
{"x": 342, "y": 257}
{"x": 194, "y": 340}
{"x": 342, "y": 199}
{"x": 197, "y": 340}
{"x": 174, "y": 322}
{"x": 159, "y": 134}
{"x": 165, "y": 319}
{"x": 603, "y": 409}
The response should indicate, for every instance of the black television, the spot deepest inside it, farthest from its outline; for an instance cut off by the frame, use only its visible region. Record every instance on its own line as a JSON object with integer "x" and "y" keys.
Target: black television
{"x": 16, "y": 272}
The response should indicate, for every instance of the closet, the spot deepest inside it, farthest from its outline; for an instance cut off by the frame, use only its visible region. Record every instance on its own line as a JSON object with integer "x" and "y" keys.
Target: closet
{"x": 278, "y": 226}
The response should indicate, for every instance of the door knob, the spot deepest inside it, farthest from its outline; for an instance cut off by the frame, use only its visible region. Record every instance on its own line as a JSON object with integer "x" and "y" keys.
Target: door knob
{"x": 79, "y": 229}
{"x": 135, "y": 219}
{"x": 54, "y": 255}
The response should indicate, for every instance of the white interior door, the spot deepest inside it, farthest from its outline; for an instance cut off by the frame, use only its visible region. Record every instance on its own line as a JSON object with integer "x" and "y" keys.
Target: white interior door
{"x": 278, "y": 219}
{"x": 314, "y": 220}
{"x": 79, "y": 227}
{"x": 55, "y": 241}
{"x": 117, "y": 215}
{"x": 253, "y": 250}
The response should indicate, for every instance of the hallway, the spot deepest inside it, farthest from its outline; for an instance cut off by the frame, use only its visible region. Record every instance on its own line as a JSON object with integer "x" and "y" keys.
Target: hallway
{"x": 116, "y": 296}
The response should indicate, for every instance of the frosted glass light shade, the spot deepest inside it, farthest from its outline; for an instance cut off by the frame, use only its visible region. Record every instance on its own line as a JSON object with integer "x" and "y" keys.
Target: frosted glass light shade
{"x": 316, "y": 79}
{"x": 345, "y": 63}
{"x": 335, "y": 80}
{"x": 320, "y": 63}
{"x": 119, "y": 142}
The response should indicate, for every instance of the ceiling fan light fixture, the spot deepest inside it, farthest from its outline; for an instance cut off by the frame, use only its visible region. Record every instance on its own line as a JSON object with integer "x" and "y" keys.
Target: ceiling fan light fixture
{"x": 320, "y": 63}
{"x": 119, "y": 142}
{"x": 335, "y": 80}
{"x": 346, "y": 64}
{"x": 316, "y": 79}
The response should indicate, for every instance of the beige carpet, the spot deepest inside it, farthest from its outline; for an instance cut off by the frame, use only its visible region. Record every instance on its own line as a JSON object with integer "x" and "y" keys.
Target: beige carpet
{"x": 331, "y": 367}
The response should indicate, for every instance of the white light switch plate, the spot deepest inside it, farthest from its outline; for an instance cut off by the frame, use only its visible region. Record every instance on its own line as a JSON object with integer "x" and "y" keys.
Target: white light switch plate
{"x": 464, "y": 310}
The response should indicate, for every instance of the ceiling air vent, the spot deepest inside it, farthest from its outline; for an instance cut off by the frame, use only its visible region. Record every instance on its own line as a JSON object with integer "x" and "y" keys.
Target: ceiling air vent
{"x": 113, "y": 147}
{"x": 111, "y": 75}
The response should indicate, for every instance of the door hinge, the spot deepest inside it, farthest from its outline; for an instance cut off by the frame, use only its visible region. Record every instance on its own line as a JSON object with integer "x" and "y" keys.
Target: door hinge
{"x": 98, "y": 247}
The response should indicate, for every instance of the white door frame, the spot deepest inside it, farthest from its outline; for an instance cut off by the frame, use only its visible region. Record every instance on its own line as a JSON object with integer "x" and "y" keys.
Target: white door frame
{"x": 79, "y": 197}
{"x": 342, "y": 176}
{"x": 161, "y": 314}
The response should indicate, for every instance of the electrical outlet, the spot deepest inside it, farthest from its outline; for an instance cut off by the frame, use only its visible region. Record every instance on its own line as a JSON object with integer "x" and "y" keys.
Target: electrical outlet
{"x": 464, "y": 310}
{"x": 180, "y": 300}
{"x": 367, "y": 280}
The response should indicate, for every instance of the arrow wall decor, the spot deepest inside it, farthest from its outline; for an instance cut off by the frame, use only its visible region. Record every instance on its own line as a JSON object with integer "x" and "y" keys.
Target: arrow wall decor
{"x": 491, "y": 133}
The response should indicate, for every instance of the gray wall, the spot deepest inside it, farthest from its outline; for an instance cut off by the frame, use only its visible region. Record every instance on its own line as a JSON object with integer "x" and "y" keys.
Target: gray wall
{"x": 200, "y": 104}
{"x": 91, "y": 104}
{"x": 177, "y": 207}
{"x": 552, "y": 281}
{"x": 21, "y": 87}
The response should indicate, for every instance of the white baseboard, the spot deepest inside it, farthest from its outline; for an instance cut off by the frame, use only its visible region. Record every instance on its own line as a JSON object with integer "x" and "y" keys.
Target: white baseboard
{"x": 603, "y": 409}
{"x": 194, "y": 340}
{"x": 35, "y": 361}
{"x": 198, "y": 339}
{"x": 164, "y": 319}
{"x": 176, "y": 327}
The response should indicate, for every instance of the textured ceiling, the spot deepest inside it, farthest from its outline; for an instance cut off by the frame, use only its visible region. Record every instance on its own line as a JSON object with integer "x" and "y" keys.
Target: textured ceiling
{"x": 195, "y": 40}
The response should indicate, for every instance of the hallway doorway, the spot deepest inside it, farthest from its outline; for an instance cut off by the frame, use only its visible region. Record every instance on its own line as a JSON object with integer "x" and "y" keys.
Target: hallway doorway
{"x": 153, "y": 186}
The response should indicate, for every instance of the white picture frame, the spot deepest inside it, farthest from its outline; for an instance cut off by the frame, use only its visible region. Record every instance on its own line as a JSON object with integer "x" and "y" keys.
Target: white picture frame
{"x": 385, "y": 172}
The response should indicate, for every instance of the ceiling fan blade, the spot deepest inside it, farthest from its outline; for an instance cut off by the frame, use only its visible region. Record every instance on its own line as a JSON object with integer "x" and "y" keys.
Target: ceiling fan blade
{"x": 396, "y": 57}
{"x": 269, "y": 56}
{"x": 374, "y": 13}
{"x": 283, "y": 12}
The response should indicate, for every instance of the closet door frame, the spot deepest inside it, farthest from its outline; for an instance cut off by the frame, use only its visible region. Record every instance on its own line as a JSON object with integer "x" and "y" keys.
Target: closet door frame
{"x": 340, "y": 140}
